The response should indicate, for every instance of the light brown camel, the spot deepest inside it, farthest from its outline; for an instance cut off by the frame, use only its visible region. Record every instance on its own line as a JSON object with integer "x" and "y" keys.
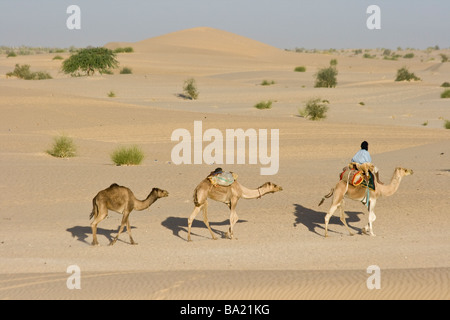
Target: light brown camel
{"x": 343, "y": 189}
{"x": 121, "y": 200}
{"x": 230, "y": 196}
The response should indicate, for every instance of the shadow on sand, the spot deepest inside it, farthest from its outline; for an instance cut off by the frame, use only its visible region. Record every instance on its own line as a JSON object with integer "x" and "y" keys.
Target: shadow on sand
{"x": 316, "y": 219}
{"x": 81, "y": 233}
{"x": 177, "y": 225}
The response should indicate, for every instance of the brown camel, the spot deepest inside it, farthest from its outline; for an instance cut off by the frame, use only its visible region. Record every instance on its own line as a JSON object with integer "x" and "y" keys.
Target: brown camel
{"x": 343, "y": 189}
{"x": 229, "y": 195}
{"x": 121, "y": 200}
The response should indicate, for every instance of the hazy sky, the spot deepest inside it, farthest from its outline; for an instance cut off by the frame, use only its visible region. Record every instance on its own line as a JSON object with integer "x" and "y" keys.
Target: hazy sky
{"x": 285, "y": 24}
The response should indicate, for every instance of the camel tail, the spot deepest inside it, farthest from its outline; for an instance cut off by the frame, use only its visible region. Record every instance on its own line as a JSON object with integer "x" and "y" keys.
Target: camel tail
{"x": 94, "y": 212}
{"x": 195, "y": 198}
{"x": 326, "y": 197}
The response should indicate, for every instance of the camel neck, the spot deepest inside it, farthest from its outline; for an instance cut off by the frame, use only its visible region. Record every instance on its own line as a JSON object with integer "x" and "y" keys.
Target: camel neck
{"x": 142, "y": 205}
{"x": 252, "y": 193}
{"x": 389, "y": 190}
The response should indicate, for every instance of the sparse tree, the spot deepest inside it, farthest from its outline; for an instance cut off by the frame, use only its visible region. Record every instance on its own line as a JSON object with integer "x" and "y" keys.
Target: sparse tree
{"x": 90, "y": 60}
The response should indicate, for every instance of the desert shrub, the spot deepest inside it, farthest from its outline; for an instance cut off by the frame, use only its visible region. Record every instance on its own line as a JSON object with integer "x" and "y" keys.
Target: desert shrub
{"x": 111, "y": 94}
{"x": 190, "y": 89}
{"x": 409, "y": 55}
{"x": 126, "y": 70}
{"x": 445, "y": 94}
{"x": 326, "y": 78}
{"x": 24, "y": 72}
{"x": 445, "y": 85}
{"x": 124, "y": 50}
{"x": 369, "y": 56}
{"x": 264, "y": 105}
{"x": 63, "y": 147}
{"x": 11, "y": 54}
{"x": 333, "y": 62}
{"x": 315, "y": 109}
{"x": 127, "y": 156}
{"x": 403, "y": 74}
{"x": 447, "y": 124}
{"x": 444, "y": 57}
{"x": 300, "y": 69}
{"x": 267, "y": 83}
{"x": 58, "y": 57}
{"x": 90, "y": 60}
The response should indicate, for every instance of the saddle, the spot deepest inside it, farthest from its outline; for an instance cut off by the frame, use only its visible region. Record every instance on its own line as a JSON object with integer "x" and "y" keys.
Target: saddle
{"x": 359, "y": 175}
{"x": 222, "y": 178}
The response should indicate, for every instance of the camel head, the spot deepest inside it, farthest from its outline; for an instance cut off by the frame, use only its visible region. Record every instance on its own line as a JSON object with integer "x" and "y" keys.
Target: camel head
{"x": 160, "y": 193}
{"x": 402, "y": 172}
{"x": 270, "y": 187}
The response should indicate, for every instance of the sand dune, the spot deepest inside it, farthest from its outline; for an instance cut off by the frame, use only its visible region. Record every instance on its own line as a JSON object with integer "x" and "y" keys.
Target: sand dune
{"x": 280, "y": 252}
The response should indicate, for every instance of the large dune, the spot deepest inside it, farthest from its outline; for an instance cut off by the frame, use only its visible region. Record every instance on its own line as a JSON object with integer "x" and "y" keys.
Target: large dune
{"x": 280, "y": 252}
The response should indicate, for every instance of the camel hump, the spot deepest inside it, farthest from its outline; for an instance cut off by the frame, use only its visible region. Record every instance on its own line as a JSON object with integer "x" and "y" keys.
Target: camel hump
{"x": 114, "y": 185}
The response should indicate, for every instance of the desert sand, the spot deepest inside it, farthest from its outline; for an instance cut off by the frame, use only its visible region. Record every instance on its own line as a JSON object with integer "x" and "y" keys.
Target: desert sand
{"x": 280, "y": 251}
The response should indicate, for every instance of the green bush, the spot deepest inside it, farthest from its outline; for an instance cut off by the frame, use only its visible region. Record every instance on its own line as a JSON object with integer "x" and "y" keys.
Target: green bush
{"x": 326, "y": 78}
{"x": 300, "y": 69}
{"x": 127, "y": 156}
{"x": 445, "y": 85}
{"x": 403, "y": 74}
{"x": 408, "y": 56}
{"x": 445, "y": 94}
{"x": 315, "y": 109}
{"x": 63, "y": 147}
{"x": 124, "y": 50}
{"x": 24, "y": 72}
{"x": 90, "y": 60}
{"x": 58, "y": 57}
{"x": 126, "y": 70}
{"x": 264, "y": 105}
{"x": 444, "y": 58}
{"x": 190, "y": 89}
{"x": 447, "y": 124}
{"x": 111, "y": 94}
{"x": 11, "y": 54}
{"x": 267, "y": 83}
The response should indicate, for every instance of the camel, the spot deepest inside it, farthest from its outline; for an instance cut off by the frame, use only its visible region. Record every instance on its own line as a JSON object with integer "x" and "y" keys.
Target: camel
{"x": 230, "y": 196}
{"x": 121, "y": 200}
{"x": 344, "y": 189}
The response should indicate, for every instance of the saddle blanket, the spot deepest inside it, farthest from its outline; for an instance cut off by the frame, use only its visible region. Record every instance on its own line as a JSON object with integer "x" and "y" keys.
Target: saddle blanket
{"x": 356, "y": 178}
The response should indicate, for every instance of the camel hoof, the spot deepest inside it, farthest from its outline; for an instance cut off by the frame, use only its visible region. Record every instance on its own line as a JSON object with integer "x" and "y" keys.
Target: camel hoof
{"x": 351, "y": 234}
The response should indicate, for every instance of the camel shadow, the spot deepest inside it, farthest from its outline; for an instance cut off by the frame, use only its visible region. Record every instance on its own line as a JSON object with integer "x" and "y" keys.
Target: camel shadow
{"x": 177, "y": 225}
{"x": 316, "y": 220}
{"x": 81, "y": 233}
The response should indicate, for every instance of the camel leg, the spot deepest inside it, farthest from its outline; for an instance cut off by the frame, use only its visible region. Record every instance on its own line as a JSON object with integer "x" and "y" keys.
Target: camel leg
{"x": 343, "y": 218}
{"x": 129, "y": 232}
{"x": 205, "y": 219}
{"x": 233, "y": 219}
{"x": 122, "y": 226}
{"x": 101, "y": 215}
{"x": 328, "y": 217}
{"x": 191, "y": 219}
{"x": 372, "y": 218}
